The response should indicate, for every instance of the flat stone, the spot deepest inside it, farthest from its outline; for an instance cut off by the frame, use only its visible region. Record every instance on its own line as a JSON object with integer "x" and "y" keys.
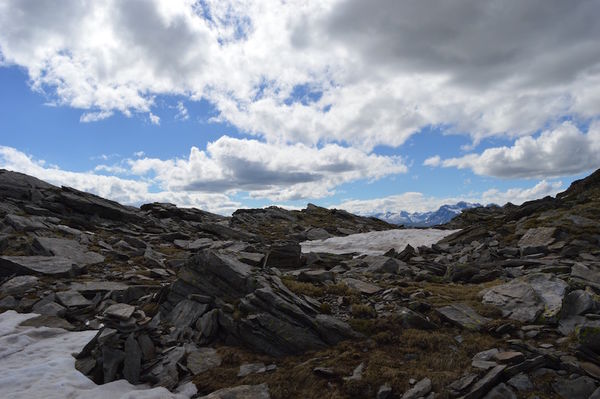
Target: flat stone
{"x": 361, "y": 286}
{"x": 50, "y": 309}
{"x": 98, "y": 286}
{"x": 241, "y": 392}
{"x": 577, "y": 303}
{"x": 483, "y": 364}
{"x": 509, "y": 357}
{"x": 48, "y": 321}
{"x": 521, "y": 382}
{"x": 462, "y": 383}
{"x": 501, "y": 391}
{"x": 482, "y": 386}
{"x": 72, "y": 299}
{"x": 316, "y": 276}
{"x": 203, "y": 359}
{"x": 45, "y": 265}
{"x": 578, "y": 388}
{"x": 529, "y": 297}
{"x": 186, "y": 313}
{"x": 67, "y": 248}
{"x": 121, "y": 311}
{"x": 463, "y": 316}
{"x": 420, "y": 389}
{"x": 486, "y": 355}
{"x": 18, "y": 285}
{"x": 537, "y": 237}
{"x": 251, "y": 368}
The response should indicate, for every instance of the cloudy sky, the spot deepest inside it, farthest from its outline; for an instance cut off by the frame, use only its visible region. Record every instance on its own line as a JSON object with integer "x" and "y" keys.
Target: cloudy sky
{"x": 371, "y": 106}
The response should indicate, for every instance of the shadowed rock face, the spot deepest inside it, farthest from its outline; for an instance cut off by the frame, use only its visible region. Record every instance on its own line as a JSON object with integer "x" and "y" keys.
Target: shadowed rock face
{"x": 270, "y": 318}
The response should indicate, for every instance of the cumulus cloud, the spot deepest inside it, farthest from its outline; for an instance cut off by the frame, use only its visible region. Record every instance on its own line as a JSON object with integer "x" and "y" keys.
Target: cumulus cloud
{"x": 433, "y": 161}
{"x": 368, "y": 74}
{"x": 126, "y": 191}
{"x": 276, "y": 172}
{"x": 564, "y": 150}
{"x": 419, "y": 202}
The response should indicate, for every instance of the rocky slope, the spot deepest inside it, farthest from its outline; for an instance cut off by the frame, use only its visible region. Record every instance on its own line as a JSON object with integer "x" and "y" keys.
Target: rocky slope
{"x": 507, "y": 307}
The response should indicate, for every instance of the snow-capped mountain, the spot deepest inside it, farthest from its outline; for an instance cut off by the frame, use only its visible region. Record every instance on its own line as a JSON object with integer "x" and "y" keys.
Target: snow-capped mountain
{"x": 425, "y": 219}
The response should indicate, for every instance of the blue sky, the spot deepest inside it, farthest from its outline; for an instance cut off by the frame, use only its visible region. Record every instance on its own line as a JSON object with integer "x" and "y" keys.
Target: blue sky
{"x": 289, "y": 103}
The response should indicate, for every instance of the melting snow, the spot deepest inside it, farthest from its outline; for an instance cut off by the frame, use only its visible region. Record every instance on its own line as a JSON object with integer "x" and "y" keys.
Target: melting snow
{"x": 37, "y": 363}
{"x": 376, "y": 242}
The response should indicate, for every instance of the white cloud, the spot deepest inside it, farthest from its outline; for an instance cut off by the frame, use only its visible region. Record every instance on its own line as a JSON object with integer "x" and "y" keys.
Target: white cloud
{"x": 154, "y": 119}
{"x": 126, "y": 191}
{"x": 433, "y": 161}
{"x": 182, "y": 112}
{"x": 564, "y": 150}
{"x": 419, "y": 202}
{"x": 377, "y": 74}
{"x": 276, "y": 172}
{"x": 95, "y": 116}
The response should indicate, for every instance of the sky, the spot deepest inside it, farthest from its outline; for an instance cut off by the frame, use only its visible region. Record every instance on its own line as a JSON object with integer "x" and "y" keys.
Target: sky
{"x": 376, "y": 106}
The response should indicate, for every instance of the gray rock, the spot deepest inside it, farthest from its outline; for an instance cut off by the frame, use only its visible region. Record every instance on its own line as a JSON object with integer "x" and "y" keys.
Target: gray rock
{"x": 384, "y": 391}
{"x": 186, "y": 313}
{"x": 578, "y": 388}
{"x": 251, "y": 368}
{"x": 463, "y": 316}
{"x": 361, "y": 286}
{"x": 69, "y": 249}
{"x": 200, "y": 360}
{"x": 241, "y": 392}
{"x": 133, "y": 360}
{"x": 50, "y": 309}
{"x": 420, "y": 389}
{"x": 501, "y": 391}
{"x": 72, "y": 299}
{"x": 98, "y": 286}
{"x": 284, "y": 255}
{"x": 18, "y": 285}
{"x": 317, "y": 233}
{"x": 411, "y": 319}
{"x": 22, "y": 223}
{"x": 529, "y": 297}
{"x": 111, "y": 361}
{"x": 45, "y": 265}
{"x": 9, "y": 302}
{"x": 48, "y": 321}
{"x": 521, "y": 382}
{"x": 462, "y": 383}
{"x": 357, "y": 373}
{"x": 166, "y": 371}
{"x": 482, "y": 386}
{"x": 577, "y": 303}
{"x": 121, "y": 311}
{"x": 146, "y": 346}
{"x": 316, "y": 276}
{"x": 586, "y": 274}
{"x": 537, "y": 240}
{"x": 208, "y": 324}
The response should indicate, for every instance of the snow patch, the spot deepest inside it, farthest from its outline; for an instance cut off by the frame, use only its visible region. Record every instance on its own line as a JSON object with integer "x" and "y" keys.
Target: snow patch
{"x": 376, "y": 242}
{"x": 37, "y": 363}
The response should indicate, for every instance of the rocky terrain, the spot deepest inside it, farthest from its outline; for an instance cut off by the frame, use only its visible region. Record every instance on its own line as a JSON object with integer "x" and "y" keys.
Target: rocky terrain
{"x": 506, "y": 307}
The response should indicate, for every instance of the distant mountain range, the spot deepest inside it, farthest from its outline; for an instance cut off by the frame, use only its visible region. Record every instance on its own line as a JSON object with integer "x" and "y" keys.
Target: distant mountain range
{"x": 426, "y": 219}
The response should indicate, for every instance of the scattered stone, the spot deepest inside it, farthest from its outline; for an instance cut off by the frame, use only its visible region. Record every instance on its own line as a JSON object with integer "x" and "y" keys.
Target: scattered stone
{"x": 251, "y": 368}
{"x": 420, "y": 389}
{"x": 463, "y": 316}
{"x": 121, "y": 311}
{"x": 361, "y": 286}
{"x": 18, "y": 285}
{"x": 578, "y": 388}
{"x": 521, "y": 382}
{"x": 72, "y": 299}
{"x": 384, "y": 391}
{"x": 241, "y": 392}
{"x": 45, "y": 265}
{"x": 203, "y": 359}
{"x": 509, "y": 357}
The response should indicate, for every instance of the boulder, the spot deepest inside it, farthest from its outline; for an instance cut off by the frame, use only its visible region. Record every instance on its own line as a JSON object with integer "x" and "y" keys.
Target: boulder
{"x": 66, "y": 248}
{"x": 271, "y": 318}
{"x": 284, "y": 255}
{"x": 536, "y": 240}
{"x": 578, "y": 388}
{"x": 527, "y": 298}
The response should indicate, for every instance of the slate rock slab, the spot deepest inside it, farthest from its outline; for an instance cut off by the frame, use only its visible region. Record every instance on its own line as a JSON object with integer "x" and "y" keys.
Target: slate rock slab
{"x": 203, "y": 359}
{"x": 463, "y": 316}
{"x": 529, "y": 297}
{"x": 241, "y": 392}
{"x": 38, "y": 265}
